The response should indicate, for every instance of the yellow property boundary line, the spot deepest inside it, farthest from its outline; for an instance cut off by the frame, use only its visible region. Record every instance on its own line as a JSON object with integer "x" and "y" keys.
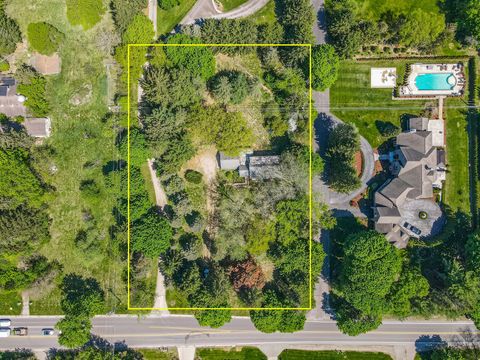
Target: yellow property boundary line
{"x": 309, "y": 46}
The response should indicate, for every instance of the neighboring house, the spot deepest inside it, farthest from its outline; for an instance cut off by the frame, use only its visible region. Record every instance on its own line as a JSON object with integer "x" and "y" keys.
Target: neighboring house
{"x": 404, "y": 206}
{"x": 250, "y": 165}
{"x": 11, "y": 104}
{"x": 38, "y": 127}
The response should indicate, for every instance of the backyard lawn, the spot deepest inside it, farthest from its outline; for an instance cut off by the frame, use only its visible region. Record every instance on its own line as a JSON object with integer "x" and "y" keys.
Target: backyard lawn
{"x": 372, "y": 9}
{"x": 332, "y": 355}
{"x": 168, "y": 19}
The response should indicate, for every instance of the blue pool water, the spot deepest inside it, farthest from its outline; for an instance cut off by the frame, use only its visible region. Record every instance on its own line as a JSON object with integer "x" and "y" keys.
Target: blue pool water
{"x": 435, "y": 81}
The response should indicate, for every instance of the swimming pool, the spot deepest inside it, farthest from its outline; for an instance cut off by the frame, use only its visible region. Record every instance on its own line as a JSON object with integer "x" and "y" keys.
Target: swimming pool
{"x": 435, "y": 81}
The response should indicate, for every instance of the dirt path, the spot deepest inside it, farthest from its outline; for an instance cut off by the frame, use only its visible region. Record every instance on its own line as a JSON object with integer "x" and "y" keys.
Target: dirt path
{"x": 160, "y": 196}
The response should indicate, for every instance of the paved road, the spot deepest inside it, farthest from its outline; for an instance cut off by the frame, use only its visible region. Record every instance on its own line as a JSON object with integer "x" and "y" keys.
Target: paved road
{"x": 206, "y": 9}
{"x": 185, "y": 331}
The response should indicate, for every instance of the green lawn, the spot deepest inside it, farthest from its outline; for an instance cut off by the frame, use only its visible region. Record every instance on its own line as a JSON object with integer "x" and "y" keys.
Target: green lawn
{"x": 246, "y": 353}
{"x": 374, "y": 8}
{"x": 457, "y": 184}
{"x": 231, "y": 4}
{"x": 83, "y": 142}
{"x": 10, "y": 303}
{"x": 353, "y": 100}
{"x": 156, "y": 354}
{"x": 332, "y": 355}
{"x": 266, "y": 15}
{"x": 168, "y": 19}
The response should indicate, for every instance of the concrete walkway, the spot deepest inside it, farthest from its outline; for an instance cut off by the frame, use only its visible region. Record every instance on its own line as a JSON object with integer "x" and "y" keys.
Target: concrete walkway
{"x": 25, "y": 303}
{"x": 206, "y": 9}
{"x": 152, "y": 14}
{"x": 186, "y": 352}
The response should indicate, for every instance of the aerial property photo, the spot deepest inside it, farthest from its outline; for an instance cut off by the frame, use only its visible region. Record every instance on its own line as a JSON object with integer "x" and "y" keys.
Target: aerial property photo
{"x": 239, "y": 179}
{"x": 230, "y": 160}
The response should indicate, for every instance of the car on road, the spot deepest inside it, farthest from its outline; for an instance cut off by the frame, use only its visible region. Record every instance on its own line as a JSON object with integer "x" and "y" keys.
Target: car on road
{"x": 20, "y": 331}
{"x": 5, "y": 331}
{"x": 48, "y": 332}
{"x": 5, "y": 322}
{"x": 412, "y": 228}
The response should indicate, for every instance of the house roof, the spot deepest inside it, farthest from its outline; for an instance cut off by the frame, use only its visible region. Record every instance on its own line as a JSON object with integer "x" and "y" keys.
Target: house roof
{"x": 420, "y": 123}
{"x": 3, "y": 90}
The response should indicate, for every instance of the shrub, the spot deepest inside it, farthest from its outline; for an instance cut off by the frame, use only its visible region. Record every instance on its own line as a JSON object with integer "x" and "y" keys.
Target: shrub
{"x": 89, "y": 188}
{"x": 4, "y": 66}
{"x": 168, "y": 4}
{"x": 193, "y": 176}
{"x": 85, "y": 12}
{"x": 44, "y": 38}
{"x": 33, "y": 87}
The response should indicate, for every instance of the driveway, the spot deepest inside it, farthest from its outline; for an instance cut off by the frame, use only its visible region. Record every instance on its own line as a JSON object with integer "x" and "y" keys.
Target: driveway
{"x": 206, "y": 9}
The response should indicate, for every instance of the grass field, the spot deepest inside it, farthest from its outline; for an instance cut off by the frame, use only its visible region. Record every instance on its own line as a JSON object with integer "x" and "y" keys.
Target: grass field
{"x": 168, "y": 19}
{"x": 156, "y": 354}
{"x": 83, "y": 141}
{"x": 231, "y": 4}
{"x": 246, "y": 353}
{"x": 266, "y": 15}
{"x": 10, "y": 303}
{"x": 332, "y": 355}
{"x": 374, "y": 8}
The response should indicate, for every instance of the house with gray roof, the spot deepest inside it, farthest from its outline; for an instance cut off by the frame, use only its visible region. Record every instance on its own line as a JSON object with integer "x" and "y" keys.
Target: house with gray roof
{"x": 404, "y": 206}
{"x": 250, "y": 165}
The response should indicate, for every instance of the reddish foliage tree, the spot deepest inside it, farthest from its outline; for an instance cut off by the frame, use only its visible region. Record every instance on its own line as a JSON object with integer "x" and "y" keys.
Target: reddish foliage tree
{"x": 246, "y": 274}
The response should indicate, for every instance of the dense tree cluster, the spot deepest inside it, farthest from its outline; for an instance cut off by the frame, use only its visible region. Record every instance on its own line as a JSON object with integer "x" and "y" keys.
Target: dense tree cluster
{"x": 44, "y": 37}
{"x": 124, "y": 11}
{"x": 24, "y": 221}
{"x": 349, "y": 29}
{"x": 466, "y": 13}
{"x": 372, "y": 281}
{"x": 10, "y": 33}
{"x": 81, "y": 300}
{"x": 32, "y": 85}
{"x": 343, "y": 144}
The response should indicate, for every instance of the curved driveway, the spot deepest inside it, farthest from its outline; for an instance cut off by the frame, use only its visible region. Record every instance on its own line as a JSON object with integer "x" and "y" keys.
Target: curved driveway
{"x": 322, "y": 105}
{"x": 206, "y": 9}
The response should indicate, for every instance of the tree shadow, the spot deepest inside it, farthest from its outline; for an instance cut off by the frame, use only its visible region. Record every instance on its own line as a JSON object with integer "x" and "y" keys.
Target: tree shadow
{"x": 429, "y": 342}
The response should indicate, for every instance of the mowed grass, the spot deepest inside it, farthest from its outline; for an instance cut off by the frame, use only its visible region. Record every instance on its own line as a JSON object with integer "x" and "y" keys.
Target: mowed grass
{"x": 374, "y": 8}
{"x": 457, "y": 193}
{"x": 10, "y": 303}
{"x": 246, "y": 353}
{"x": 83, "y": 142}
{"x": 156, "y": 354}
{"x": 265, "y": 15}
{"x": 332, "y": 355}
{"x": 231, "y": 4}
{"x": 354, "y": 101}
{"x": 168, "y": 19}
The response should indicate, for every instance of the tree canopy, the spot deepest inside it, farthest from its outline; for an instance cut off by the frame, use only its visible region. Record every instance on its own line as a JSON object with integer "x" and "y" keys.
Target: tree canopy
{"x": 198, "y": 60}
{"x": 44, "y": 37}
{"x": 151, "y": 235}
{"x": 325, "y": 65}
{"x": 10, "y": 33}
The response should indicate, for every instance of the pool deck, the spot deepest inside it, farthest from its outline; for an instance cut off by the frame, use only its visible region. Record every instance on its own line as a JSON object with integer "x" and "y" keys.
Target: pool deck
{"x": 410, "y": 90}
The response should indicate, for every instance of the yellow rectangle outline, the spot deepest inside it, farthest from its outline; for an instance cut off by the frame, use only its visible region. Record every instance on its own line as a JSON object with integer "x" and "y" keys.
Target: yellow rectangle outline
{"x": 309, "y": 178}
